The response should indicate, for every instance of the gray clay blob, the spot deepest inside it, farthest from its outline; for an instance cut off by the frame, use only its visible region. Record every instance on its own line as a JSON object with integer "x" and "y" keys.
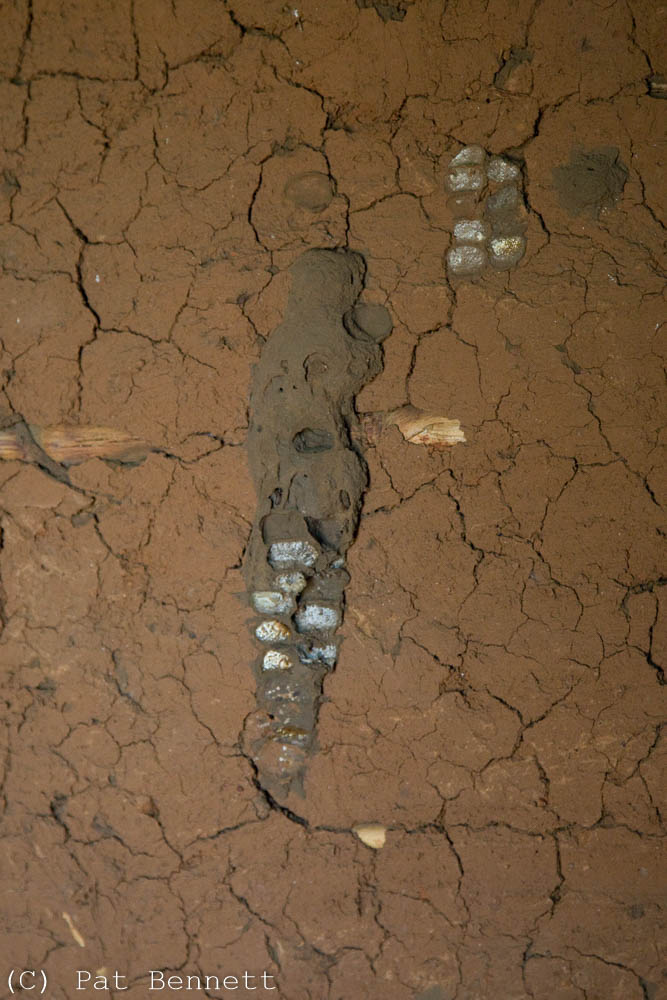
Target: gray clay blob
{"x": 309, "y": 478}
{"x": 374, "y": 320}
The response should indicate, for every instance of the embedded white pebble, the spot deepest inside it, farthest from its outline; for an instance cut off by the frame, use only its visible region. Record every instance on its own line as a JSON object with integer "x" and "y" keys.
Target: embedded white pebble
{"x": 466, "y": 260}
{"x": 469, "y": 156}
{"x": 272, "y": 631}
{"x": 471, "y": 231}
{"x": 274, "y": 659}
{"x": 272, "y": 602}
{"x": 291, "y": 583}
{"x": 465, "y": 179}
{"x": 287, "y": 553}
{"x": 500, "y": 170}
{"x": 506, "y": 251}
{"x": 314, "y": 617}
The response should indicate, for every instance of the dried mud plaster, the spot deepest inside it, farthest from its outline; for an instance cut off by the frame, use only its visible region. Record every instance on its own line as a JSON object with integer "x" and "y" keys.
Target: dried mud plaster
{"x": 309, "y": 476}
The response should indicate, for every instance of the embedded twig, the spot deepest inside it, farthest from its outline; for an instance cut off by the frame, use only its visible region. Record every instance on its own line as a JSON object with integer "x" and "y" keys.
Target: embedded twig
{"x": 70, "y": 445}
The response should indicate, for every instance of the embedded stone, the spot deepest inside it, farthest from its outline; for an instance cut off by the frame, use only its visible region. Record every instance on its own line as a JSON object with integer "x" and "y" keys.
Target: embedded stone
{"x": 466, "y": 179}
{"x": 465, "y": 260}
{"x": 471, "y": 231}
{"x": 288, "y": 553}
{"x": 291, "y": 583}
{"x": 469, "y": 156}
{"x": 271, "y": 602}
{"x": 316, "y": 618}
{"x": 506, "y": 251}
{"x": 507, "y": 199}
{"x": 275, "y": 659}
{"x": 500, "y": 170}
{"x": 273, "y": 631}
{"x": 326, "y": 653}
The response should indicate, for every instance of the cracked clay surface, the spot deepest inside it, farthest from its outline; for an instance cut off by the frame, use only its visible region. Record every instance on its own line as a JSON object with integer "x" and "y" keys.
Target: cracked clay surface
{"x": 498, "y": 697}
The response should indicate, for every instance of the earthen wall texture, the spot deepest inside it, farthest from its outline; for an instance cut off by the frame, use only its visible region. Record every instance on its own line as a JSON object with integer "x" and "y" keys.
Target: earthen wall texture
{"x": 498, "y": 698}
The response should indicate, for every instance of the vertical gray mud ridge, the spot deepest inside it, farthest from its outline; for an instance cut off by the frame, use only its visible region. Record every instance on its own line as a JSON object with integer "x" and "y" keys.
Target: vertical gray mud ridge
{"x": 310, "y": 477}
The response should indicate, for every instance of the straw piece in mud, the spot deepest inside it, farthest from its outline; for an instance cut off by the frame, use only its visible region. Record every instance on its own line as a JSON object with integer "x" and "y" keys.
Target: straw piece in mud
{"x": 71, "y": 445}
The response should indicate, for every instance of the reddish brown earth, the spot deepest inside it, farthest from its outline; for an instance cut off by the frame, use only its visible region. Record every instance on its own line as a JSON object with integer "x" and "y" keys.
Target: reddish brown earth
{"x": 498, "y": 699}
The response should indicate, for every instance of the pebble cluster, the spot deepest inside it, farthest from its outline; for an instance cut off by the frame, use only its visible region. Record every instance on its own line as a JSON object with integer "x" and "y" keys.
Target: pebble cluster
{"x": 487, "y": 204}
{"x": 299, "y": 616}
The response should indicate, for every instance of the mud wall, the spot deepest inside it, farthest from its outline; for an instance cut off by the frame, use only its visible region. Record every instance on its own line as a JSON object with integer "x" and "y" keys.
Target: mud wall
{"x": 498, "y": 697}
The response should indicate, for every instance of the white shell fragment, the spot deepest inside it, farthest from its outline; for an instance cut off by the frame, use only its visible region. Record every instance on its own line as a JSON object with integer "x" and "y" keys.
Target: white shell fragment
{"x": 471, "y": 231}
{"x": 466, "y": 259}
{"x": 273, "y": 631}
{"x": 282, "y": 554}
{"x": 418, "y": 427}
{"x": 271, "y": 602}
{"x": 506, "y": 251}
{"x": 275, "y": 659}
{"x": 291, "y": 583}
{"x": 315, "y": 617}
{"x": 371, "y": 834}
{"x": 500, "y": 170}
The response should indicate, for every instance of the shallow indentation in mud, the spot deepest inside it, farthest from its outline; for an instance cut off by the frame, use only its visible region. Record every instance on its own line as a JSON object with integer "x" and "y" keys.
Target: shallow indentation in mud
{"x": 310, "y": 441}
{"x": 311, "y": 190}
{"x": 593, "y": 180}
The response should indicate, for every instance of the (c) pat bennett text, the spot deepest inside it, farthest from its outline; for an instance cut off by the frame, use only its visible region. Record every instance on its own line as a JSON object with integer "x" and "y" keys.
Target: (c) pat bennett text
{"x": 159, "y": 980}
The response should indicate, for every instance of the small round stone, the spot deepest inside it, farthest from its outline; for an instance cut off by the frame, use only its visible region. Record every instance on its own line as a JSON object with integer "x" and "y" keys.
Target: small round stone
{"x": 316, "y": 617}
{"x": 500, "y": 170}
{"x": 506, "y": 200}
{"x": 506, "y": 251}
{"x": 271, "y": 602}
{"x": 283, "y": 554}
{"x": 469, "y": 156}
{"x": 471, "y": 231}
{"x": 291, "y": 583}
{"x": 466, "y": 179}
{"x": 275, "y": 659}
{"x": 466, "y": 260}
{"x": 273, "y": 631}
